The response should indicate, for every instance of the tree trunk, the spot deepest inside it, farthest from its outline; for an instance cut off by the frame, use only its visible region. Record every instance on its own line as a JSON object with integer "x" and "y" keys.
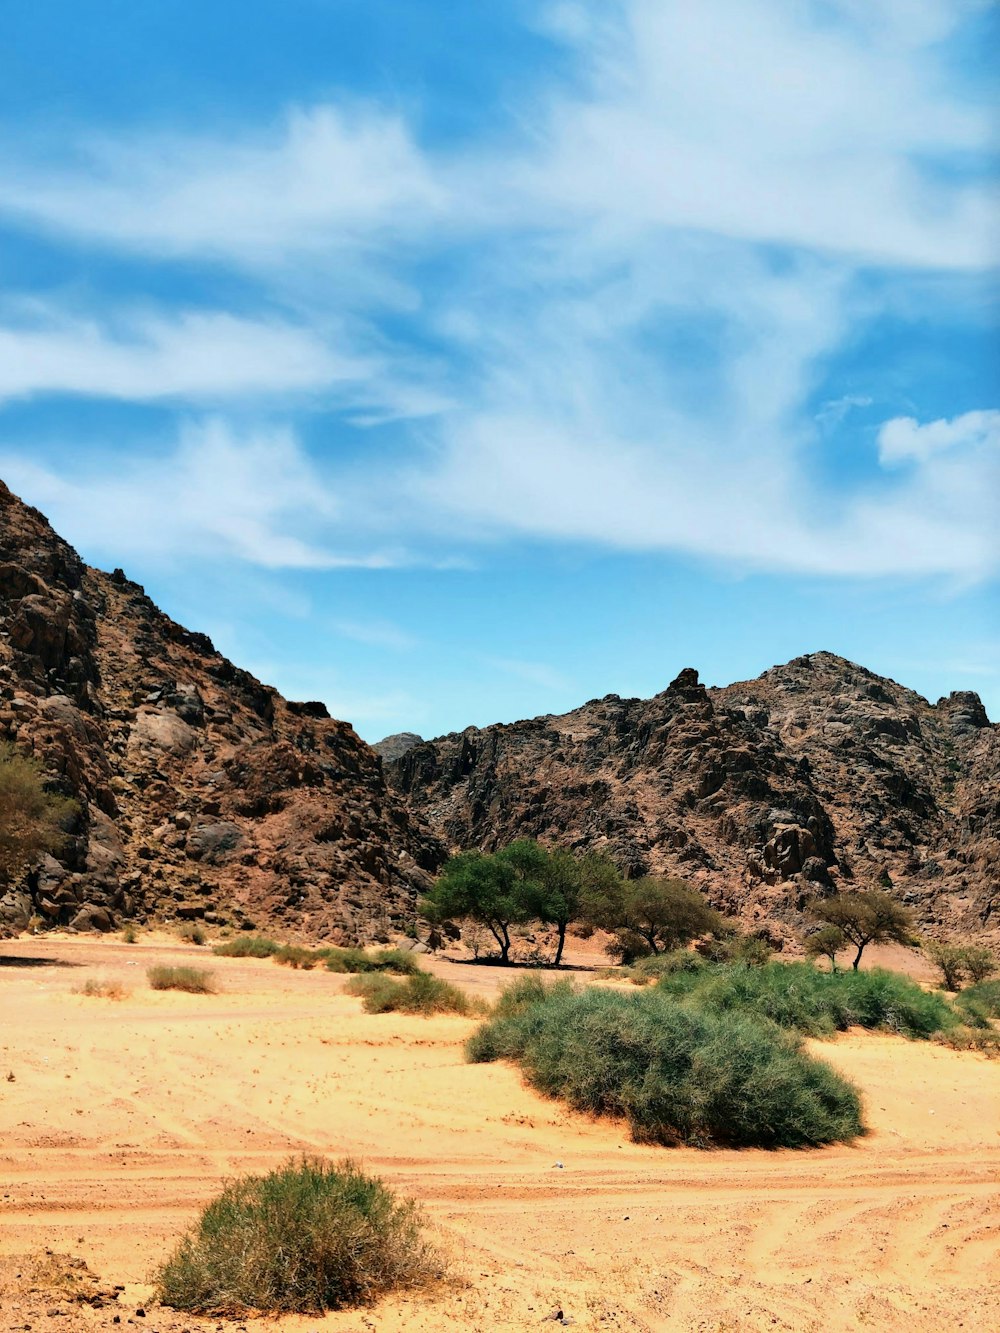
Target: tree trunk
{"x": 561, "y": 926}
{"x": 857, "y": 957}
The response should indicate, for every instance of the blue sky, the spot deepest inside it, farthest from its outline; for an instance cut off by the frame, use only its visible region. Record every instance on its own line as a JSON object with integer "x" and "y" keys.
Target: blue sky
{"x": 458, "y": 362}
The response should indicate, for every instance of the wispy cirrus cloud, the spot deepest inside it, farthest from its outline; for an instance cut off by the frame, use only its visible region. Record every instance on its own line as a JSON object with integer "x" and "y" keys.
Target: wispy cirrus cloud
{"x": 635, "y": 293}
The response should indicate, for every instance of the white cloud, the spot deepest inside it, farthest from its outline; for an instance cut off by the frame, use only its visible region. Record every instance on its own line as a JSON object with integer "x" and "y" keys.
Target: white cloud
{"x": 535, "y": 673}
{"x": 904, "y": 439}
{"x": 255, "y": 498}
{"x": 193, "y": 356}
{"x": 756, "y": 121}
{"x": 328, "y": 176}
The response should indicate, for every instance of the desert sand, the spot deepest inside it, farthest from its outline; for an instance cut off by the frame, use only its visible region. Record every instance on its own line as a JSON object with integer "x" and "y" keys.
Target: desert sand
{"x": 120, "y": 1118}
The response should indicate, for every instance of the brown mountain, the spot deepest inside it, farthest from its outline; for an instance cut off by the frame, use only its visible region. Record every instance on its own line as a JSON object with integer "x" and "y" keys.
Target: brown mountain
{"x": 819, "y": 774}
{"x": 202, "y": 792}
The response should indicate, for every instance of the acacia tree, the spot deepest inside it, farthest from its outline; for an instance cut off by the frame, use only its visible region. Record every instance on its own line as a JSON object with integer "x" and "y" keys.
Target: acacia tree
{"x": 865, "y": 917}
{"x": 32, "y": 819}
{"x": 562, "y": 885}
{"x": 652, "y": 914}
{"x": 483, "y": 888}
{"x": 825, "y": 943}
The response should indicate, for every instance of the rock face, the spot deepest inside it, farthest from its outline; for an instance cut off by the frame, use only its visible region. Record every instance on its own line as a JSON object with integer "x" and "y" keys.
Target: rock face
{"x": 817, "y": 775}
{"x": 203, "y": 793}
{"x": 394, "y": 747}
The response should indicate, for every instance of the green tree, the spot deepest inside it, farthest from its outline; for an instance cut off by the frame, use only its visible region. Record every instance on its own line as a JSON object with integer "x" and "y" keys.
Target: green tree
{"x": 825, "y": 943}
{"x": 490, "y": 889}
{"x": 33, "y": 821}
{"x": 559, "y": 887}
{"x": 980, "y": 962}
{"x": 949, "y": 959}
{"x": 865, "y": 917}
{"x": 651, "y": 914}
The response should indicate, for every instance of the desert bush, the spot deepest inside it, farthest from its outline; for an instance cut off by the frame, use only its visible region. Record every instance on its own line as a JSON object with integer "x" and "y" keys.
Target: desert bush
{"x": 797, "y": 995}
{"x": 980, "y": 962}
{"x": 193, "y": 979}
{"x": 676, "y": 1074}
{"x": 101, "y": 988}
{"x": 295, "y": 955}
{"x": 247, "y": 946}
{"x": 654, "y": 966}
{"x": 735, "y": 947}
{"x": 949, "y": 959}
{"x": 418, "y": 994}
{"x": 129, "y": 933}
{"x": 189, "y": 932}
{"x": 306, "y": 1238}
{"x": 400, "y": 961}
{"x": 983, "y": 999}
{"x": 982, "y": 1038}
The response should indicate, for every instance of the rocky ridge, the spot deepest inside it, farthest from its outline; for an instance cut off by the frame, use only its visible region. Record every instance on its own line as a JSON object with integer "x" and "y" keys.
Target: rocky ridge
{"x": 203, "y": 794}
{"x": 818, "y": 775}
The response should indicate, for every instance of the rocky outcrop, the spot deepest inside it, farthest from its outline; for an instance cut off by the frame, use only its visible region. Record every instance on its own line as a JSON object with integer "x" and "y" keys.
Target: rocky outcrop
{"x": 202, "y": 793}
{"x": 394, "y": 747}
{"x": 817, "y": 775}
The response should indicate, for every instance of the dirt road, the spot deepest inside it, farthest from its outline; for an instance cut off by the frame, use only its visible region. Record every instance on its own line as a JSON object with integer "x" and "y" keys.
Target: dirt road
{"x": 119, "y": 1119}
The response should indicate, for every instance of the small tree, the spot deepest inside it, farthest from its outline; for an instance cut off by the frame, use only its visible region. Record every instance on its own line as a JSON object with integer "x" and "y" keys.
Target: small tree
{"x": 949, "y": 959}
{"x": 662, "y": 913}
{"x": 980, "y": 962}
{"x": 561, "y": 887}
{"x": 32, "y": 819}
{"x": 866, "y": 917}
{"x": 484, "y": 888}
{"x": 825, "y": 943}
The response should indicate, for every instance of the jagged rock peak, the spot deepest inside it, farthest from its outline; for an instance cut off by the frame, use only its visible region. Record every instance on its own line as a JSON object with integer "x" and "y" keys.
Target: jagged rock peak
{"x": 203, "y": 793}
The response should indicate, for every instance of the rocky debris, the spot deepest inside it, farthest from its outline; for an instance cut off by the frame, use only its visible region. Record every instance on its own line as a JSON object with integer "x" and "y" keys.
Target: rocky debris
{"x": 201, "y": 791}
{"x": 816, "y": 776}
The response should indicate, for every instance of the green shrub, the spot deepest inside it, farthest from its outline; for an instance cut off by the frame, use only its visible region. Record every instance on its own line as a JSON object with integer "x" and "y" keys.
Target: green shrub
{"x": 247, "y": 946}
{"x": 657, "y": 965}
{"x": 799, "y": 996}
{"x": 949, "y": 959}
{"x": 980, "y": 962}
{"x": 400, "y": 961}
{"x": 419, "y": 994}
{"x": 294, "y": 955}
{"x": 307, "y": 1238}
{"x": 675, "y": 1074}
{"x": 984, "y": 998}
{"x": 193, "y": 979}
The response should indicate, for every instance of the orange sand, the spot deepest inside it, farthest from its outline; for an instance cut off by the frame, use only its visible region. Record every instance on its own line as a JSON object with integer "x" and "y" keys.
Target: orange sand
{"x": 123, "y": 1117}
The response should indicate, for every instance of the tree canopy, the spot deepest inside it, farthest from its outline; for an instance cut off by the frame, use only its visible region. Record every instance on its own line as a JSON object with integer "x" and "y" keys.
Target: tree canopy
{"x": 865, "y": 917}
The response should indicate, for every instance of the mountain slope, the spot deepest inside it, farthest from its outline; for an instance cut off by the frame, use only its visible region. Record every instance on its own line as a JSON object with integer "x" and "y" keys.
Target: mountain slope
{"x": 203, "y": 793}
{"x": 818, "y": 774}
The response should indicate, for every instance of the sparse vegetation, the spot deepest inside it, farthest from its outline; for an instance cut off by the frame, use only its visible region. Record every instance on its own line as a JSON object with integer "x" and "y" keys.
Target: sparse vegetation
{"x": 189, "y": 932}
{"x": 306, "y": 1238}
{"x": 981, "y": 1000}
{"x": 676, "y": 1074}
{"x": 193, "y": 979}
{"x": 101, "y": 988}
{"x": 400, "y": 961}
{"x": 295, "y": 955}
{"x": 949, "y": 959}
{"x": 247, "y": 946}
{"x": 980, "y": 962}
{"x": 33, "y": 819}
{"x": 129, "y": 934}
{"x": 419, "y": 994}
{"x": 799, "y": 996}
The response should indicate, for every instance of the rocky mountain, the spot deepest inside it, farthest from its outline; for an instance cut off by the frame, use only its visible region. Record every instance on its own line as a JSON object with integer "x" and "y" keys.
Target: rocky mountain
{"x": 202, "y": 793}
{"x": 819, "y": 774}
{"x": 394, "y": 747}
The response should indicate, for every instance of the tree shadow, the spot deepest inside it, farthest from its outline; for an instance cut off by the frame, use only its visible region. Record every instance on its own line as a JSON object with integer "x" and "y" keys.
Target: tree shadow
{"x": 516, "y": 965}
{"x": 31, "y": 960}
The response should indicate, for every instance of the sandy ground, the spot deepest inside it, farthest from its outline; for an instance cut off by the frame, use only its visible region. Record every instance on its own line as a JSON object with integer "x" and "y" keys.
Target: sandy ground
{"x": 119, "y": 1119}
